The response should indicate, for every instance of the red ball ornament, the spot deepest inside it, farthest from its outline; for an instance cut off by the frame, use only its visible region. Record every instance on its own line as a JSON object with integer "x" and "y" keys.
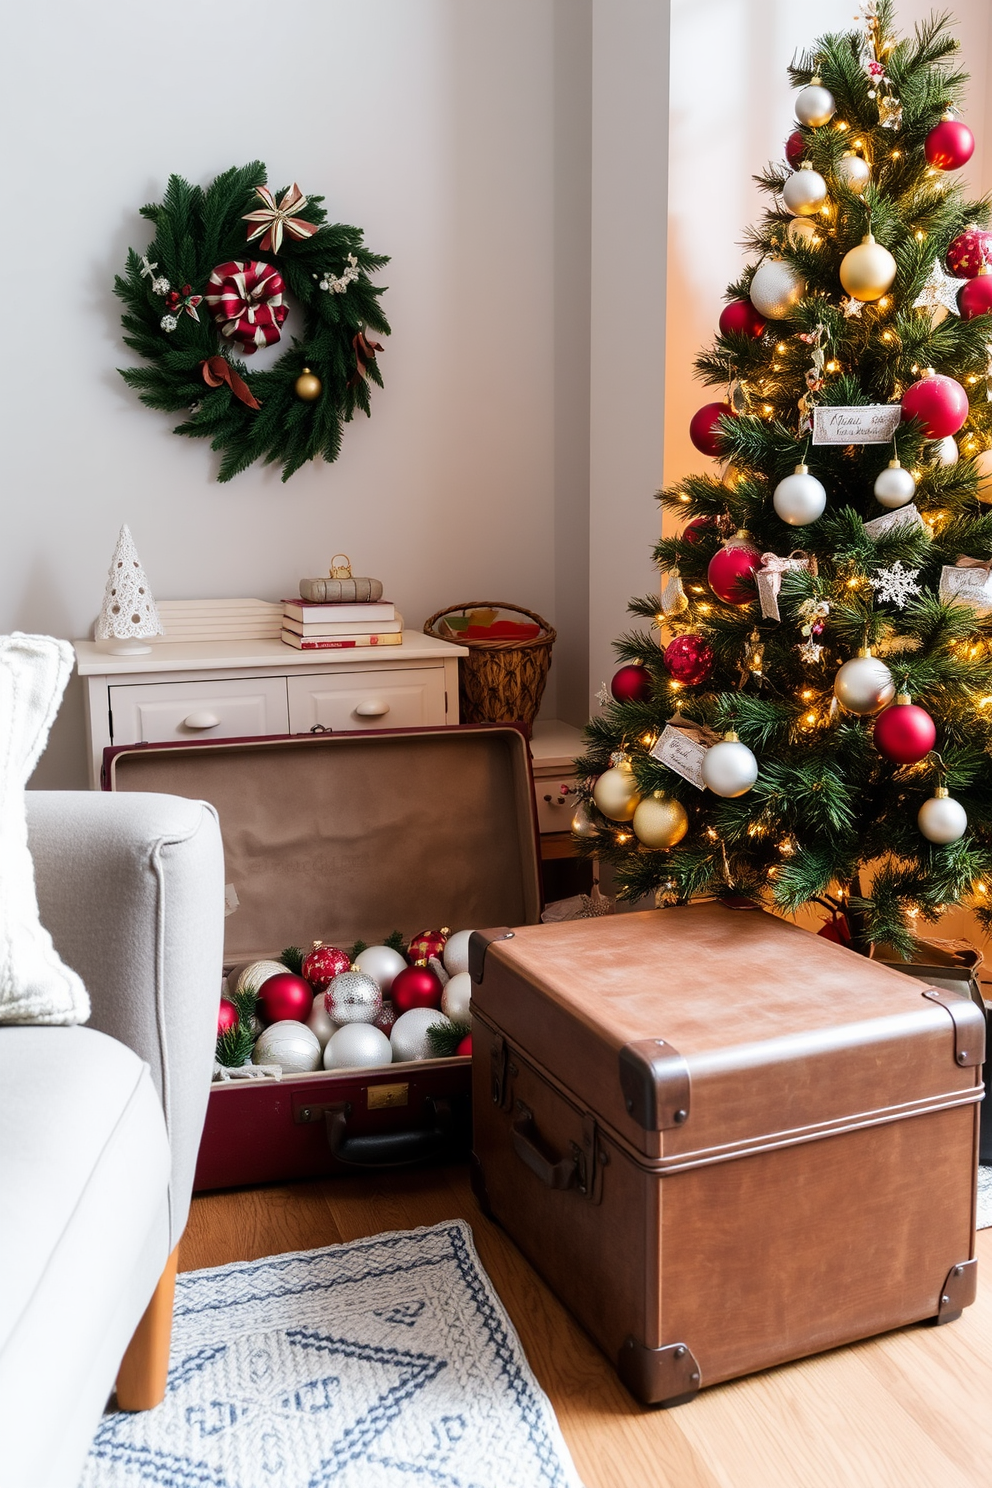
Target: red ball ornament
{"x": 632, "y": 684}
{"x": 427, "y": 944}
{"x": 795, "y": 148}
{"x": 949, "y": 145}
{"x": 698, "y": 529}
{"x": 969, "y": 252}
{"x": 904, "y": 733}
{"x": 741, "y": 318}
{"x": 940, "y": 403}
{"x": 322, "y": 963}
{"x": 731, "y": 572}
{"x": 975, "y": 297}
{"x": 416, "y": 987}
{"x": 689, "y": 659}
{"x": 227, "y": 1017}
{"x": 284, "y": 996}
{"x": 385, "y": 1017}
{"x": 465, "y": 1047}
{"x": 703, "y": 426}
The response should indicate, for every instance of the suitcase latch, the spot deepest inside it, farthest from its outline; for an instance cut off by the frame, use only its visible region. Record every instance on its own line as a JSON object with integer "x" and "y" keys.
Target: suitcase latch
{"x": 499, "y": 1056}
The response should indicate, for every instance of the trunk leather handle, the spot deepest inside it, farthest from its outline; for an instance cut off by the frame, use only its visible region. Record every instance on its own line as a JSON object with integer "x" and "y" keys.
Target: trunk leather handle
{"x": 388, "y": 1149}
{"x": 561, "y": 1174}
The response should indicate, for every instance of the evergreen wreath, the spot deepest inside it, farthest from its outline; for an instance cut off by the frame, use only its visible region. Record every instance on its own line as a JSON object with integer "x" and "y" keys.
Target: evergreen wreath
{"x": 213, "y": 278}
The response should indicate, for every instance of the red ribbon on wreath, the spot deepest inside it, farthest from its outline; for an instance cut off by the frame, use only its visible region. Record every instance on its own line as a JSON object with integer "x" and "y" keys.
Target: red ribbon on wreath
{"x": 246, "y": 300}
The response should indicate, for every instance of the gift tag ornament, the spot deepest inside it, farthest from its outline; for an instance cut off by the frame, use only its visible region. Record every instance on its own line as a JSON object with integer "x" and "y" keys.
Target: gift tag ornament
{"x": 800, "y": 498}
{"x": 703, "y": 426}
{"x": 322, "y": 963}
{"x": 729, "y": 768}
{"x": 853, "y": 172}
{"x": 940, "y": 403}
{"x": 815, "y": 105}
{"x": 894, "y": 486}
{"x": 632, "y": 684}
{"x": 730, "y": 573}
{"x": 289, "y": 1044}
{"x": 868, "y": 270}
{"x": 739, "y": 318}
{"x": 864, "y": 684}
{"x": 804, "y": 192}
{"x": 689, "y": 659}
{"x": 358, "y": 1046}
{"x": 950, "y": 144}
{"x": 776, "y": 288}
{"x": 616, "y": 793}
{"x": 942, "y": 819}
{"x": 904, "y": 733}
{"x": 660, "y": 821}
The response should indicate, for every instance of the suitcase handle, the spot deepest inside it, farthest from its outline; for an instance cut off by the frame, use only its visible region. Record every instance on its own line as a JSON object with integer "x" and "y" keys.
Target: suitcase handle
{"x": 561, "y": 1174}
{"x": 388, "y": 1149}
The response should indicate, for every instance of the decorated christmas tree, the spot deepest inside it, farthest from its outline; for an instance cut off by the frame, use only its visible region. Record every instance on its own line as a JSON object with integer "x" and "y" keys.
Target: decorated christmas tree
{"x": 807, "y": 715}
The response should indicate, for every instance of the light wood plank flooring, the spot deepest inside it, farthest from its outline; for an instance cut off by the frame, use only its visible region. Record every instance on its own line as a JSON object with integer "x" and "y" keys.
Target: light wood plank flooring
{"x": 910, "y": 1410}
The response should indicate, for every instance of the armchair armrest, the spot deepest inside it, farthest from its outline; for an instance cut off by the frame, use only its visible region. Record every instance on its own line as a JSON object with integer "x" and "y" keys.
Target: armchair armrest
{"x": 131, "y": 888}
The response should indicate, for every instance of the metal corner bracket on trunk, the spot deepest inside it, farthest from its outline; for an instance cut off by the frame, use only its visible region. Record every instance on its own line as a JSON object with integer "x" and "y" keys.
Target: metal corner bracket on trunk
{"x": 654, "y": 1079}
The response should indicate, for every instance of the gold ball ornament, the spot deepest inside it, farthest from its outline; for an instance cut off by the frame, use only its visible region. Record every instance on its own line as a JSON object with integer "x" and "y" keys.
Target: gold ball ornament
{"x": 308, "y": 386}
{"x": 853, "y": 172}
{"x": 660, "y": 821}
{"x": 868, "y": 270}
{"x": 802, "y": 230}
{"x": 616, "y": 794}
{"x": 983, "y": 463}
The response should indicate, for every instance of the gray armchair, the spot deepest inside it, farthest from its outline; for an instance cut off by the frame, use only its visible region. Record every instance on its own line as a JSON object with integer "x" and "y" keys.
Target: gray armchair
{"x": 99, "y": 1125}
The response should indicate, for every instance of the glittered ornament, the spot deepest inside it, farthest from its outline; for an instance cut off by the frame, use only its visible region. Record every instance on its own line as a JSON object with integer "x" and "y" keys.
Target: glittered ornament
{"x": 853, "y": 172}
{"x": 940, "y": 403}
{"x": 730, "y": 573}
{"x": 308, "y": 386}
{"x": 660, "y": 821}
{"x": 323, "y": 962}
{"x": 776, "y": 288}
{"x": 949, "y": 145}
{"x": 868, "y": 270}
{"x": 289, "y": 1044}
{"x": 689, "y": 659}
{"x": 358, "y": 1046}
{"x": 456, "y": 998}
{"x": 804, "y": 193}
{"x": 416, "y": 987}
{"x": 739, "y": 318}
{"x": 894, "y": 486}
{"x": 703, "y": 426}
{"x": 227, "y": 1016}
{"x": 795, "y": 148}
{"x": 409, "y": 1033}
{"x": 284, "y": 996}
{"x": 385, "y": 1017}
{"x": 815, "y": 105}
{"x": 729, "y": 769}
{"x": 904, "y": 733}
{"x": 864, "y": 684}
{"x": 382, "y": 964}
{"x": 975, "y": 297}
{"x": 800, "y": 498}
{"x": 353, "y": 997}
{"x": 942, "y": 819}
{"x": 427, "y": 944}
{"x": 969, "y": 252}
{"x": 456, "y": 952}
{"x": 585, "y": 821}
{"x": 320, "y": 1021}
{"x": 632, "y": 684}
{"x": 616, "y": 794}
{"x": 251, "y": 977}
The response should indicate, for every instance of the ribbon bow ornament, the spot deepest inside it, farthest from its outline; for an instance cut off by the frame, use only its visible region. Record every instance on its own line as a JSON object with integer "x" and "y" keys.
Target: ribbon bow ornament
{"x": 246, "y": 301}
{"x": 272, "y": 220}
{"x": 769, "y": 578}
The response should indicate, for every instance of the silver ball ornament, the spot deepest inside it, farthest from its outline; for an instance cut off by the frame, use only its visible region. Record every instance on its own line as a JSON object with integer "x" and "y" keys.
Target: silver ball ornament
{"x": 291, "y": 1045}
{"x": 729, "y": 768}
{"x": 585, "y": 821}
{"x": 381, "y": 963}
{"x": 804, "y": 192}
{"x": 456, "y": 952}
{"x": 800, "y": 498}
{"x": 853, "y": 172}
{"x": 353, "y": 997}
{"x": 358, "y": 1046}
{"x": 776, "y": 288}
{"x": 457, "y": 997}
{"x": 408, "y": 1035}
{"x": 660, "y": 821}
{"x": 320, "y": 1021}
{"x": 942, "y": 819}
{"x": 616, "y": 794}
{"x": 894, "y": 486}
{"x": 864, "y": 685}
{"x": 815, "y": 106}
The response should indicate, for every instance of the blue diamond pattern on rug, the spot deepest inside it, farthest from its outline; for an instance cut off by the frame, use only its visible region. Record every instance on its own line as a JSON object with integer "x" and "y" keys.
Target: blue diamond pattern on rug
{"x": 384, "y": 1362}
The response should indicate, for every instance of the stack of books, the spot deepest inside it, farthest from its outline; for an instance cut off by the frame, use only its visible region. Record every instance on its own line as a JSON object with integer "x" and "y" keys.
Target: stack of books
{"x": 311, "y": 626}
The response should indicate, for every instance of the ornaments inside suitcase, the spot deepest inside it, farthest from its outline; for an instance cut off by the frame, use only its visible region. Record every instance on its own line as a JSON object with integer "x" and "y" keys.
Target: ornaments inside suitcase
{"x": 343, "y": 1027}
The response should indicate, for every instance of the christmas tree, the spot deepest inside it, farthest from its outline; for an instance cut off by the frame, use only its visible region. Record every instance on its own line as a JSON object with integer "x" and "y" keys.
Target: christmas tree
{"x": 808, "y": 716}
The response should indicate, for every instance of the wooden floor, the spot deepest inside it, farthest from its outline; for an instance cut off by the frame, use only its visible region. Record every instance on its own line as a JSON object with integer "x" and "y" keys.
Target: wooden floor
{"x": 910, "y": 1410}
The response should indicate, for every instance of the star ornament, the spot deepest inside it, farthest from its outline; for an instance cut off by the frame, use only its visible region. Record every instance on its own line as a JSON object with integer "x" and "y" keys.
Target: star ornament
{"x": 939, "y": 294}
{"x": 272, "y": 220}
{"x": 851, "y": 307}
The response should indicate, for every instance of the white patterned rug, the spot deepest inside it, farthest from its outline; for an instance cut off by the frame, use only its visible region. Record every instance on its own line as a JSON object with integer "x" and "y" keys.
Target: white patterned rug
{"x": 983, "y": 1220}
{"x": 385, "y": 1362}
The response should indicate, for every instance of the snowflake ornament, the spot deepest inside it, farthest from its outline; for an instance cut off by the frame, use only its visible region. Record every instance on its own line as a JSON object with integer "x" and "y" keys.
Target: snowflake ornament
{"x": 168, "y": 322}
{"x": 895, "y": 585}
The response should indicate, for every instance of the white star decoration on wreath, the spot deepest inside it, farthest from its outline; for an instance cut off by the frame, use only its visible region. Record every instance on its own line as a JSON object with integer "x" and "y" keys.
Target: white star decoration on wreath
{"x": 896, "y": 584}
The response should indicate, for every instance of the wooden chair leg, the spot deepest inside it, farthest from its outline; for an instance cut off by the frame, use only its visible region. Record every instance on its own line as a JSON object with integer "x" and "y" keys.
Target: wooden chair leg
{"x": 145, "y": 1366}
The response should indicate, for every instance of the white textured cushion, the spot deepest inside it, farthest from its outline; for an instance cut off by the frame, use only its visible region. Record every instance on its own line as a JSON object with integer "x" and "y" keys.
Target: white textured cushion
{"x": 35, "y": 985}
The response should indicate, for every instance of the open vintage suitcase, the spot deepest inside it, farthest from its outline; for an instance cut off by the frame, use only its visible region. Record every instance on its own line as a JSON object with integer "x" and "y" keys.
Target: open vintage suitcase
{"x": 725, "y": 1143}
{"x": 336, "y": 837}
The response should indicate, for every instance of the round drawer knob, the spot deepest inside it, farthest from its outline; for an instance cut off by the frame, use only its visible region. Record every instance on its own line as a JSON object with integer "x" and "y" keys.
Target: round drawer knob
{"x": 374, "y": 708}
{"x": 202, "y": 720}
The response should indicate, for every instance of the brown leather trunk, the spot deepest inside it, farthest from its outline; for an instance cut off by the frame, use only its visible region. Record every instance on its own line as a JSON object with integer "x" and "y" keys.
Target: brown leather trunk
{"x": 724, "y": 1142}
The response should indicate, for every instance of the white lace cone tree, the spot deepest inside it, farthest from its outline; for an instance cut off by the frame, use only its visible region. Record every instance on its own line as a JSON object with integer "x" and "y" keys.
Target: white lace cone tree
{"x": 128, "y": 614}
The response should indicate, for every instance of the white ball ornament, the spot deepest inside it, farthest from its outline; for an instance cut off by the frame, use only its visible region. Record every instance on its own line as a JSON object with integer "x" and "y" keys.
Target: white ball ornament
{"x": 868, "y": 270}
{"x": 776, "y": 288}
{"x": 729, "y": 768}
{"x": 942, "y": 819}
{"x": 381, "y": 963}
{"x": 615, "y": 793}
{"x": 320, "y": 1021}
{"x": 864, "y": 684}
{"x": 800, "y": 498}
{"x": 943, "y": 452}
{"x": 358, "y": 1046}
{"x": 894, "y": 486}
{"x": 456, "y": 952}
{"x": 408, "y": 1035}
{"x": 815, "y": 105}
{"x": 804, "y": 192}
{"x": 457, "y": 997}
{"x": 251, "y": 977}
{"x": 291, "y": 1045}
{"x": 853, "y": 172}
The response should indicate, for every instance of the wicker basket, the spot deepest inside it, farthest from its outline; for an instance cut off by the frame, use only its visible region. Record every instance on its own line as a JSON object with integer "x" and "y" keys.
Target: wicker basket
{"x": 500, "y": 681}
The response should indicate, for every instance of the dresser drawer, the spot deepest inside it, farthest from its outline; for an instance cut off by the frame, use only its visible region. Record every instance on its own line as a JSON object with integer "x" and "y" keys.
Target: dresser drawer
{"x": 556, "y": 797}
{"x": 377, "y": 697}
{"x": 153, "y": 712}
